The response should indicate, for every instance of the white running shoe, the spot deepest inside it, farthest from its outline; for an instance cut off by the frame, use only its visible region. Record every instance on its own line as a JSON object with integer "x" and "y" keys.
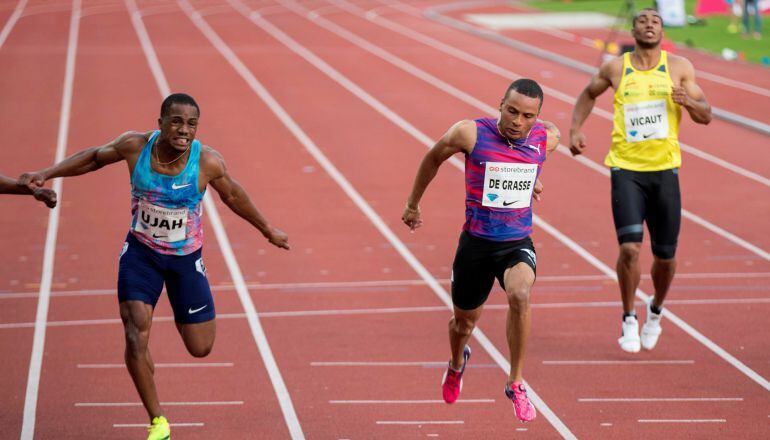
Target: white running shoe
{"x": 651, "y": 329}
{"x": 630, "y": 340}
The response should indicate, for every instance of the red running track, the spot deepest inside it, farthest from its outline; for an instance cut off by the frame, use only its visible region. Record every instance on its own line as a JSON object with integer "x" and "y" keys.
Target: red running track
{"x": 343, "y": 294}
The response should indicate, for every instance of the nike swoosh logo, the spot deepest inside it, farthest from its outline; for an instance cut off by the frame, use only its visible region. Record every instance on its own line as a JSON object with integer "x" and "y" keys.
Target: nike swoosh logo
{"x": 191, "y": 310}
{"x": 159, "y": 236}
{"x": 647, "y": 135}
{"x": 175, "y": 186}
{"x": 509, "y": 203}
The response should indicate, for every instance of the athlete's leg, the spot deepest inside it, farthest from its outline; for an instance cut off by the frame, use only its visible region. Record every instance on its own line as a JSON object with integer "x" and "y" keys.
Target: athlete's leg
{"x": 190, "y": 297}
{"x": 140, "y": 282}
{"x": 662, "y": 275}
{"x": 518, "y": 284}
{"x": 199, "y": 337}
{"x": 460, "y": 328}
{"x": 664, "y": 220}
{"x": 472, "y": 279}
{"x": 629, "y": 273}
{"x": 628, "y": 213}
{"x": 137, "y": 320}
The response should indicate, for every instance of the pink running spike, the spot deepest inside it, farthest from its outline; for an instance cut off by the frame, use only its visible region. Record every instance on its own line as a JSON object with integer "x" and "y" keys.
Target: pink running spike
{"x": 521, "y": 404}
{"x": 452, "y": 383}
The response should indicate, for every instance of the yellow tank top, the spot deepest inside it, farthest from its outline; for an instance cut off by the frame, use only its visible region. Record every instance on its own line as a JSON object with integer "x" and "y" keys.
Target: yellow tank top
{"x": 645, "y": 131}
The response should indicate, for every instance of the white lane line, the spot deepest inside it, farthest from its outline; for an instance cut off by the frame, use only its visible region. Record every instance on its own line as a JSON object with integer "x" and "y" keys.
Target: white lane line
{"x": 509, "y": 75}
{"x": 352, "y": 193}
{"x": 354, "y": 311}
{"x": 422, "y": 422}
{"x": 659, "y": 399}
{"x": 258, "y": 333}
{"x": 379, "y": 364}
{"x": 41, "y": 316}
{"x": 682, "y": 420}
{"x": 619, "y": 362}
{"x": 12, "y": 21}
{"x": 345, "y": 82}
{"x": 470, "y": 100}
{"x": 144, "y": 425}
{"x": 388, "y": 310}
{"x": 405, "y": 402}
{"x": 164, "y": 365}
{"x": 392, "y": 283}
{"x": 128, "y": 404}
{"x": 732, "y": 83}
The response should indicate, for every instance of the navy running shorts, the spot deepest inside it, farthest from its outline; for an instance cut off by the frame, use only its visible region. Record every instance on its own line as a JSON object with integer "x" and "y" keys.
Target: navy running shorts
{"x": 143, "y": 272}
{"x": 479, "y": 261}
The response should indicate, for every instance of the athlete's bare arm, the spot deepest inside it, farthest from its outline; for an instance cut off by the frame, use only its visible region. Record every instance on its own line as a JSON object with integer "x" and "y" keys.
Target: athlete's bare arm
{"x": 585, "y": 103}
{"x": 460, "y": 138}
{"x": 11, "y": 186}
{"x": 214, "y": 171}
{"x": 688, "y": 94}
{"x": 125, "y": 147}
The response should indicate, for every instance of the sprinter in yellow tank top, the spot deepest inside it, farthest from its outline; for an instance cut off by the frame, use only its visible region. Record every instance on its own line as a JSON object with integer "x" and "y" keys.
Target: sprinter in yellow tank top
{"x": 651, "y": 87}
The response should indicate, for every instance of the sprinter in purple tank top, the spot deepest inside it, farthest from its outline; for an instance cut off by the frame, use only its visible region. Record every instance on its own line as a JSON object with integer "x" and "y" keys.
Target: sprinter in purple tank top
{"x": 503, "y": 160}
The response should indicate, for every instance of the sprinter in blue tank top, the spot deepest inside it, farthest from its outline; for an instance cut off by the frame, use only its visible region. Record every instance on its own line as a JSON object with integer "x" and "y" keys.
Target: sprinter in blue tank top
{"x": 170, "y": 171}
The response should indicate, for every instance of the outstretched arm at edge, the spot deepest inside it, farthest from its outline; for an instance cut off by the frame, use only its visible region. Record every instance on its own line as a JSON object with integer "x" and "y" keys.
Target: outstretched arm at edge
{"x": 85, "y": 161}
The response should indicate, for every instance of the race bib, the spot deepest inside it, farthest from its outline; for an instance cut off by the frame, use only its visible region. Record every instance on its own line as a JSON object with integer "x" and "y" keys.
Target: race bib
{"x": 164, "y": 224}
{"x": 646, "y": 120}
{"x": 508, "y": 185}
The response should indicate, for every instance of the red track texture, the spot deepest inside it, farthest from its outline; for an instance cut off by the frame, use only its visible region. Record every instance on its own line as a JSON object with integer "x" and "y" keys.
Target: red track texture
{"x": 344, "y": 294}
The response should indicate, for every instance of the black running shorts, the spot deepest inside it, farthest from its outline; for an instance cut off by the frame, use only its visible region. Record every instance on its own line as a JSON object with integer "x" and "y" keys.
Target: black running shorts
{"x": 652, "y": 197}
{"x": 478, "y": 262}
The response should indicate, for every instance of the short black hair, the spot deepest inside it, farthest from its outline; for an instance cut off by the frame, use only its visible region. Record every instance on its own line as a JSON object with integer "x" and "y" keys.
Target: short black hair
{"x": 177, "y": 98}
{"x": 526, "y": 87}
{"x": 639, "y": 12}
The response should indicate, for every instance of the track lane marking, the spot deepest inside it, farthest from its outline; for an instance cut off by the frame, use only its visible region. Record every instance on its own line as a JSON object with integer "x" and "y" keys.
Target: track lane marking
{"x": 405, "y": 402}
{"x": 11, "y": 22}
{"x": 41, "y": 315}
{"x": 388, "y": 310}
{"x": 163, "y": 365}
{"x": 139, "y": 404}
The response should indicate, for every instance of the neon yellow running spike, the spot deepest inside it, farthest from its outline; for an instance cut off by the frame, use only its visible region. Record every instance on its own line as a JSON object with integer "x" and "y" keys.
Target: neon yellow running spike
{"x": 159, "y": 430}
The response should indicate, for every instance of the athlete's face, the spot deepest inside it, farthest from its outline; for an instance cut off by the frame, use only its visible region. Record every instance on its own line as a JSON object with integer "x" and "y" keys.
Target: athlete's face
{"x": 518, "y": 113}
{"x": 648, "y": 29}
{"x": 178, "y": 127}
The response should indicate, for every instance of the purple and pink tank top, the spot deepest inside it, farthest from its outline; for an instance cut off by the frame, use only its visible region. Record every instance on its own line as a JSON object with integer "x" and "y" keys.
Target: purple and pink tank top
{"x": 499, "y": 180}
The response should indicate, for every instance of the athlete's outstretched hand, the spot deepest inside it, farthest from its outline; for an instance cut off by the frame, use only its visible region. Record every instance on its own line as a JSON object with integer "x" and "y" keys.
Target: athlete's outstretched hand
{"x": 537, "y": 190}
{"x": 278, "y": 238}
{"x": 411, "y": 217}
{"x": 45, "y": 195}
{"x": 33, "y": 180}
{"x": 577, "y": 143}
{"x": 679, "y": 95}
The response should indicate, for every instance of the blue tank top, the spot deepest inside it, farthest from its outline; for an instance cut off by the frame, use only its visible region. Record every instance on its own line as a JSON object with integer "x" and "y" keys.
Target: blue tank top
{"x": 166, "y": 209}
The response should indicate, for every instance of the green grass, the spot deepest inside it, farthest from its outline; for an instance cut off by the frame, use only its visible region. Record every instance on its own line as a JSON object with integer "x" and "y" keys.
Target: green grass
{"x": 711, "y": 36}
